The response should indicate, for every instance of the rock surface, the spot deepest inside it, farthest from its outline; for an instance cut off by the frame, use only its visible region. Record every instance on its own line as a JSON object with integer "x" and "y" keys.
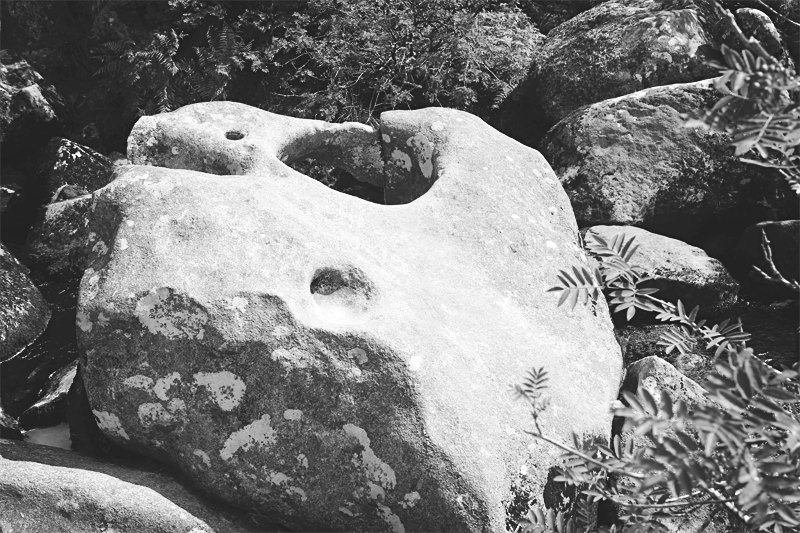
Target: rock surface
{"x": 631, "y": 161}
{"x": 24, "y": 313}
{"x": 756, "y": 23}
{"x": 679, "y": 271}
{"x": 641, "y": 341}
{"x": 337, "y": 363}
{"x": 51, "y": 408}
{"x": 655, "y": 375}
{"x": 620, "y": 47}
{"x": 57, "y": 241}
{"x": 23, "y": 376}
{"x": 44, "y": 489}
{"x": 69, "y": 170}
{"x": 29, "y": 108}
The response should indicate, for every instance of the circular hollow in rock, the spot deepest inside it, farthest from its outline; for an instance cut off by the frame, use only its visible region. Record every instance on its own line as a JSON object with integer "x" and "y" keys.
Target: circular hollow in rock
{"x": 234, "y": 135}
{"x": 343, "y": 295}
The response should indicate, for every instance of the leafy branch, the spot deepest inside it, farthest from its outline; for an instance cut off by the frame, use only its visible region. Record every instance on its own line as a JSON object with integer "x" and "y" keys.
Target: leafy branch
{"x": 759, "y": 108}
{"x": 738, "y": 450}
{"x": 623, "y": 283}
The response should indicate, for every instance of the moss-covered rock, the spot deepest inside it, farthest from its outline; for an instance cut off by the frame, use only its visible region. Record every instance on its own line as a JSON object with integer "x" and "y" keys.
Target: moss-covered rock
{"x": 620, "y": 47}
{"x": 631, "y": 160}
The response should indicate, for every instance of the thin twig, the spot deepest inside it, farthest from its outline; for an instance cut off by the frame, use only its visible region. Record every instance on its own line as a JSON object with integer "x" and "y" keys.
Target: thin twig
{"x": 774, "y": 275}
{"x": 583, "y": 455}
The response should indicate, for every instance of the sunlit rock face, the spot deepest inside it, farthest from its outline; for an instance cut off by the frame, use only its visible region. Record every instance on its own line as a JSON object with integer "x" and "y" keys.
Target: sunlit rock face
{"x": 334, "y": 363}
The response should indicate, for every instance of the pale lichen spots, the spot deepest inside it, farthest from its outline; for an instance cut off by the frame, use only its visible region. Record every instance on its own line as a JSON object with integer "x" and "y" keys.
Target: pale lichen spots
{"x": 130, "y": 223}
{"x": 296, "y": 358}
{"x": 281, "y": 331}
{"x": 515, "y": 216}
{"x": 292, "y": 414}
{"x": 154, "y": 414}
{"x": 203, "y": 457}
{"x": 176, "y": 405}
{"x": 359, "y": 354}
{"x": 376, "y": 491}
{"x": 386, "y": 138}
{"x": 139, "y": 382}
{"x": 348, "y": 512}
{"x": 437, "y": 126}
{"x": 378, "y": 471}
{"x": 109, "y": 423}
{"x": 100, "y": 248}
{"x": 160, "y": 316}
{"x": 238, "y": 303}
{"x": 415, "y": 362}
{"x": 550, "y": 181}
{"x": 102, "y": 320}
{"x": 391, "y": 519}
{"x": 423, "y": 149}
{"x": 174, "y": 150}
{"x": 163, "y": 385}
{"x": 410, "y": 500}
{"x": 91, "y": 287}
{"x": 302, "y": 460}
{"x": 553, "y": 210}
{"x": 122, "y": 244}
{"x": 276, "y": 478}
{"x": 401, "y": 159}
{"x": 281, "y": 354}
{"x": 297, "y": 491}
{"x": 258, "y": 433}
{"x": 226, "y": 388}
{"x": 83, "y": 321}
{"x": 551, "y": 245}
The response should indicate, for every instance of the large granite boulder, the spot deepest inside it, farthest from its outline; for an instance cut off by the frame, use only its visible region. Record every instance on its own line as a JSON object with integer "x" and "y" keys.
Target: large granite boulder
{"x": 680, "y": 271}
{"x": 632, "y": 161}
{"x": 339, "y": 364}
{"x": 45, "y": 489}
{"x": 619, "y": 47}
{"x": 24, "y": 313}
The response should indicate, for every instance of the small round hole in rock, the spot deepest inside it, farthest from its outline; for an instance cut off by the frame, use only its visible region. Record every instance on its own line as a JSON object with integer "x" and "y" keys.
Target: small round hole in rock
{"x": 234, "y": 135}
{"x": 342, "y": 295}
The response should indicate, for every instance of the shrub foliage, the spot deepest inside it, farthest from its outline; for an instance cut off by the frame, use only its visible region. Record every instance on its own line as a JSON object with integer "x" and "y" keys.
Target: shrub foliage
{"x": 329, "y": 59}
{"x": 759, "y": 107}
{"x": 738, "y": 450}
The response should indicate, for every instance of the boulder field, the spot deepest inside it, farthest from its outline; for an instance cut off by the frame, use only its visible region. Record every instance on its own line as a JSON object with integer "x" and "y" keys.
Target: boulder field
{"x": 334, "y": 363}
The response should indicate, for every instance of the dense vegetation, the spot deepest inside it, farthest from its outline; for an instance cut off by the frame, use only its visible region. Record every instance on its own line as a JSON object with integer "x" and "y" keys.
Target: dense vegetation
{"x": 352, "y": 59}
{"x": 737, "y": 451}
{"x": 328, "y": 59}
